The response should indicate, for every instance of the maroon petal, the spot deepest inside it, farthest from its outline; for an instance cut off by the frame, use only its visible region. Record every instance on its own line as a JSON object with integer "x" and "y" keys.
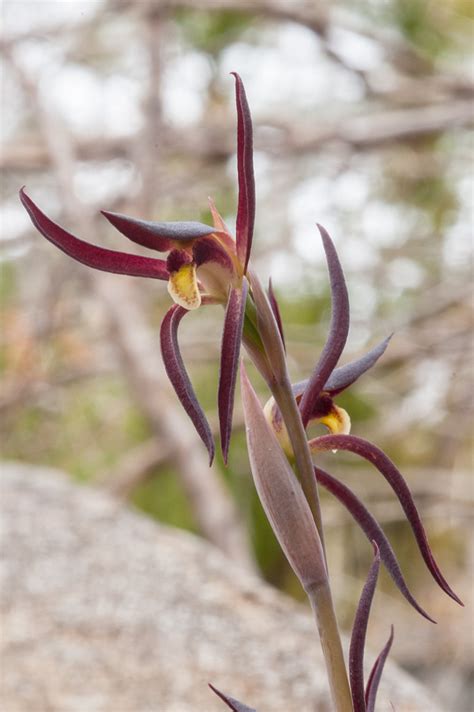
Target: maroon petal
{"x": 344, "y": 376}
{"x": 338, "y": 330}
{"x": 178, "y": 376}
{"x": 376, "y": 674}
{"x": 359, "y": 630}
{"x": 209, "y": 250}
{"x": 276, "y": 310}
{"x": 231, "y": 339}
{"x": 157, "y": 235}
{"x": 231, "y": 701}
{"x": 385, "y": 466}
{"x": 92, "y": 255}
{"x": 372, "y": 530}
{"x": 246, "y": 205}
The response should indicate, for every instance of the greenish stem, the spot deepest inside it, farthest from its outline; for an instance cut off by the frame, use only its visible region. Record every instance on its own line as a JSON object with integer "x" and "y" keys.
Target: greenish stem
{"x": 284, "y": 398}
{"x": 275, "y": 371}
{"x": 323, "y": 608}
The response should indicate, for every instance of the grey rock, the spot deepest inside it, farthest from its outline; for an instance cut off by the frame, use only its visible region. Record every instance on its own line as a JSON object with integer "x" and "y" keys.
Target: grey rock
{"x": 103, "y": 610}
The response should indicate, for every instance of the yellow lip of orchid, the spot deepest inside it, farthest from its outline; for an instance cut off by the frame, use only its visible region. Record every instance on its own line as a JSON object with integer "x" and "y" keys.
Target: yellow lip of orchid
{"x": 183, "y": 287}
{"x": 336, "y": 419}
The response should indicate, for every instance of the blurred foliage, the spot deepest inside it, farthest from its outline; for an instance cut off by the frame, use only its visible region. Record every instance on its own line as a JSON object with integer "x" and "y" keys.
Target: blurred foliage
{"x": 212, "y": 31}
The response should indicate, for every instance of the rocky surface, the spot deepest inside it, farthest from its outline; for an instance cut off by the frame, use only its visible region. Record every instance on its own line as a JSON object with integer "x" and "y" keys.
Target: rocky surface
{"x": 105, "y": 611}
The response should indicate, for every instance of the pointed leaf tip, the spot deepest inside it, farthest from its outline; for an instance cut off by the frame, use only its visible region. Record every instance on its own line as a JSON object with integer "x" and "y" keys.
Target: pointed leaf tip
{"x": 338, "y": 330}
{"x": 91, "y": 255}
{"x": 359, "y": 631}
{"x": 246, "y": 180}
{"x": 179, "y": 378}
{"x": 230, "y": 350}
{"x": 376, "y": 674}
{"x": 231, "y": 702}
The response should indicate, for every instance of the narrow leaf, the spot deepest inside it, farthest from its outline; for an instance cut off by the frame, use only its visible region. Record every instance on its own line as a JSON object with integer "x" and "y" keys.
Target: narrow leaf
{"x": 276, "y": 310}
{"x": 157, "y": 235}
{"x": 385, "y": 466}
{"x": 92, "y": 255}
{"x": 376, "y": 674}
{"x": 281, "y": 494}
{"x": 178, "y": 376}
{"x": 230, "y": 350}
{"x": 372, "y": 530}
{"x": 246, "y": 203}
{"x": 338, "y": 330}
{"x": 359, "y": 631}
{"x": 231, "y": 702}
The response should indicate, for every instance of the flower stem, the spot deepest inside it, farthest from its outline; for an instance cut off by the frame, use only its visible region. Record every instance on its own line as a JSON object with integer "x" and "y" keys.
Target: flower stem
{"x": 322, "y": 605}
{"x": 319, "y": 594}
{"x": 285, "y": 400}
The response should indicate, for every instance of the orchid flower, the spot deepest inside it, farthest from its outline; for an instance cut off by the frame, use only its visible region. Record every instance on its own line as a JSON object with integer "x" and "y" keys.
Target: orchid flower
{"x": 315, "y": 400}
{"x": 204, "y": 265}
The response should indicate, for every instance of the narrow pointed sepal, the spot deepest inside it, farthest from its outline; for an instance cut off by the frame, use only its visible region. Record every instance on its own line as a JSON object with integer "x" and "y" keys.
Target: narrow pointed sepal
{"x": 376, "y": 674}
{"x": 230, "y": 350}
{"x": 281, "y": 494}
{"x": 231, "y": 702}
{"x": 344, "y": 376}
{"x": 338, "y": 330}
{"x": 246, "y": 202}
{"x": 372, "y": 530}
{"x": 157, "y": 235}
{"x": 386, "y": 467}
{"x": 91, "y": 255}
{"x": 179, "y": 378}
{"x": 359, "y": 631}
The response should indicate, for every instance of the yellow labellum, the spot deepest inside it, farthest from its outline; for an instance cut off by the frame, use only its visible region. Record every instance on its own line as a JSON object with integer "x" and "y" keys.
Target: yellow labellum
{"x": 183, "y": 287}
{"x": 338, "y": 421}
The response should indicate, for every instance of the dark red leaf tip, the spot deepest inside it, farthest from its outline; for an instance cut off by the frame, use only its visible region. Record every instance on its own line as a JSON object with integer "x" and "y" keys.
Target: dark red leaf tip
{"x": 246, "y": 179}
{"x": 231, "y": 702}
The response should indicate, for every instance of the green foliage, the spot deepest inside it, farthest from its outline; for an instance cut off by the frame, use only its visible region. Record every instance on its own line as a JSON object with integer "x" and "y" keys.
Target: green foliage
{"x": 212, "y": 31}
{"x": 162, "y": 497}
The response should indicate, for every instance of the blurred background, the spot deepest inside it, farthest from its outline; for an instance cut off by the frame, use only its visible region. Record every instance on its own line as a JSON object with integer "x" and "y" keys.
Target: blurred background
{"x": 362, "y": 113}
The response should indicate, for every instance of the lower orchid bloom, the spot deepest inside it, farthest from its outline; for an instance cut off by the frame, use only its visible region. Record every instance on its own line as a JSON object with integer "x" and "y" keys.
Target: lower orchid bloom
{"x": 315, "y": 400}
{"x": 204, "y": 265}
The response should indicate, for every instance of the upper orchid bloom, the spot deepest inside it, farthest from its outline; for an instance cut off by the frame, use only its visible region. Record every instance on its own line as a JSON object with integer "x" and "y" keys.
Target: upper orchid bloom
{"x": 204, "y": 265}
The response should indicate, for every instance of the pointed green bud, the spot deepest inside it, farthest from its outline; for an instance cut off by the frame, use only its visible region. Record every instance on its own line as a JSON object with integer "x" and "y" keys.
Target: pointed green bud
{"x": 281, "y": 494}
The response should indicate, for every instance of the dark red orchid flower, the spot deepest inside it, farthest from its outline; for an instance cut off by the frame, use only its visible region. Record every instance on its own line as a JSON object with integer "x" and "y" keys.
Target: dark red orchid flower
{"x": 315, "y": 398}
{"x": 205, "y": 265}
